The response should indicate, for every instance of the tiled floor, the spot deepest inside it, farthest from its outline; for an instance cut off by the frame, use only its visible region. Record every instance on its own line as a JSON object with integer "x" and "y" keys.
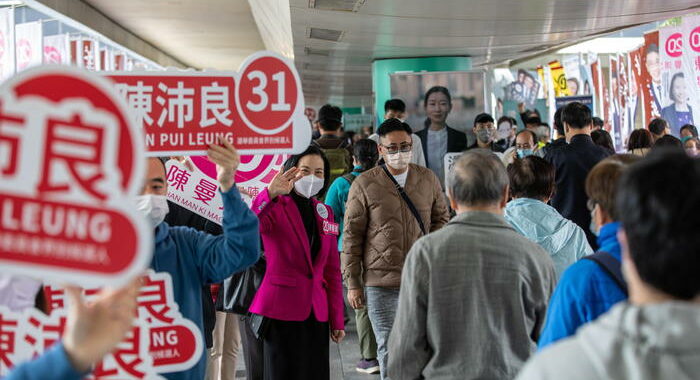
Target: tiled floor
{"x": 343, "y": 358}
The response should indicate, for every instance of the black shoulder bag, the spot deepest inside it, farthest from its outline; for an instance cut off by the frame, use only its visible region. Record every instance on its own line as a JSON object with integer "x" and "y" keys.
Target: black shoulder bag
{"x": 611, "y": 266}
{"x": 406, "y": 199}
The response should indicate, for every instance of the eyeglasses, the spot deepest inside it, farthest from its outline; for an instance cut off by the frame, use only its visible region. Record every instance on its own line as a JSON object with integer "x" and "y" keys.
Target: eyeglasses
{"x": 393, "y": 148}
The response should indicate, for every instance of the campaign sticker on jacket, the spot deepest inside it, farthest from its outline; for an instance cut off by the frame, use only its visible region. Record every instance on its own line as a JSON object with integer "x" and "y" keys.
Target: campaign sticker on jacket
{"x": 322, "y": 211}
{"x": 71, "y": 162}
{"x": 330, "y": 228}
{"x": 260, "y": 108}
{"x": 161, "y": 341}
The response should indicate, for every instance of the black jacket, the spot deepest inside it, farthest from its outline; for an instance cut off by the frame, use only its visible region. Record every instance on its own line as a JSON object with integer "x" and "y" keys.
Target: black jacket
{"x": 573, "y": 161}
{"x": 456, "y": 140}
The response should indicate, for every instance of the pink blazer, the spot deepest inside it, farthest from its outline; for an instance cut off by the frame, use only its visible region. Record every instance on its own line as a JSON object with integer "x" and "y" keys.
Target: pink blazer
{"x": 293, "y": 286}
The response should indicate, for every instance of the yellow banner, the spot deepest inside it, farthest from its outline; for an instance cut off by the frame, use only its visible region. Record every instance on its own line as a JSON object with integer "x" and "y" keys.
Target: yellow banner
{"x": 558, "y": 79}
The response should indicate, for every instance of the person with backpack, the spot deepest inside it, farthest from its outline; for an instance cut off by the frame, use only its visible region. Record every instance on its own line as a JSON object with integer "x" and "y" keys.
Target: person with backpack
{"x": 592, "y": 285}
{"x": 366, "y": 155}
{"x": 336, "y": 148}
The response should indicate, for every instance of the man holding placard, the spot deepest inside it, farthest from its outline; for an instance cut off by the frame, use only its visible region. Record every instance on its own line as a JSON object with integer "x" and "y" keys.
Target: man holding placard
{"x": 194, "y": 258}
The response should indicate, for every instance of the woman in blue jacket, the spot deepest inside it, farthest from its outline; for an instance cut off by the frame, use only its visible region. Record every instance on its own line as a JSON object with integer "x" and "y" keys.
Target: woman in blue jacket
{"x": 365, "y": 156}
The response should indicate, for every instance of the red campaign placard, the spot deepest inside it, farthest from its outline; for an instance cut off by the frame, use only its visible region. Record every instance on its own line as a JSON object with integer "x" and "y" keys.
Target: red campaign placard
{"x": 161, "y": 341}
{"x": 260, "y": 108}
{"x": 70, "y": 162}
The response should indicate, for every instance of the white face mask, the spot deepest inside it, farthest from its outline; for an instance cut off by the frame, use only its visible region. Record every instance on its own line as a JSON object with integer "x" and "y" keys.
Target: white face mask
{"x": 399, "y": 160}
{"x": 308, "y": 186}
{"x": 154, "y": 207}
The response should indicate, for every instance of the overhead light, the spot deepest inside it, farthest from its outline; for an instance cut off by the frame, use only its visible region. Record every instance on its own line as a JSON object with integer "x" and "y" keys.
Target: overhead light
{"x": 605, "y": 45}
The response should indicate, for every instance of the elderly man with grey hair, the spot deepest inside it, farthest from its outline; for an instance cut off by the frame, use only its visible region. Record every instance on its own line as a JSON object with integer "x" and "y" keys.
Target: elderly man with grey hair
{"x": 474, "y": 294}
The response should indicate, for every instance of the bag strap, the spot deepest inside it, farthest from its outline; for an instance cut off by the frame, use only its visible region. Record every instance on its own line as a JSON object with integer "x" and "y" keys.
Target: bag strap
{"x": 405, "y": 197}
{"x": 611, "y": 266}
{"x": 349, "y": 177}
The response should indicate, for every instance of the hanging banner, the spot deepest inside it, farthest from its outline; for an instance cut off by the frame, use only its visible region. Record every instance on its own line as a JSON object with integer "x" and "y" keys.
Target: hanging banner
{"x": 29, "y": 45}
{"x": 674, "y": 107}
{"x": 7, "y": 38}
{"x": 651, "y": 77}
{"x": 260, "y": 108}
{"x": 118, "y": 61}
{"x": 558, "y": 79}
{"x": 623, "y": 95}
{"x": 106, "y": 60}
{"x": 691, "y": 61}
{"x": 162, "y": 339}
{"x": 574, "y": 84}
{"x": 74, "y": 44}
{"x": 70, "y": 164}
{"x": 196, "y": 190}
{"x": 57, "y": 50}
{"x": 597, "y": 88}
{"x": 541, "y": 76}
{"x": 614, "y": 102}
{"x": 635, "y": 115}
{"x": 89, "y": 54}
{"x": 524, "y": 89}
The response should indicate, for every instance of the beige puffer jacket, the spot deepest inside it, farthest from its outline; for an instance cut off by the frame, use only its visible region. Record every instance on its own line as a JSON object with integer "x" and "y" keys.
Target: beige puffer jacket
{"x": 380, "y": 228}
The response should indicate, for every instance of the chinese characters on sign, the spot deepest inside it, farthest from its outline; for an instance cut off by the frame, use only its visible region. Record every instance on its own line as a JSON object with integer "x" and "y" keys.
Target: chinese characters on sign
{"x": 162, "y": 340}
{"x": 69, "y": 164}
{"x": 259, "y": 109}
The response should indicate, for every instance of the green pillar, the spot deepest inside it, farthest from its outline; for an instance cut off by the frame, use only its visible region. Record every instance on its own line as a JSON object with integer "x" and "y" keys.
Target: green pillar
{"x": 383, "y": 68}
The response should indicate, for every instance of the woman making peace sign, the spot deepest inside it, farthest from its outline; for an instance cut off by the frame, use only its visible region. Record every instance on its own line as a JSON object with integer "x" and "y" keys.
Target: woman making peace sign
{"x": 302, "y": 292}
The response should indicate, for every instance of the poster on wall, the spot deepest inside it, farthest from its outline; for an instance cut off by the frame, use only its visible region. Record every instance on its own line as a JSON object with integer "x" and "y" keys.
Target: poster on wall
{"x": 524, "y": 89}
{"x": 691, "y": 62}
{"x": 7, "y": 37}
{"x": 57, "y": 50}
{"x": 674, "y": 106}
{"x": 29, "y": 45}
{"x": 466, "y": 88}
{"x": 651, "y": 77}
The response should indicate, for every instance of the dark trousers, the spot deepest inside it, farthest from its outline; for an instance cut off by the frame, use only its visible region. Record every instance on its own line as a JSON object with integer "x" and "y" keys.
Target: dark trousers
{"x": 252, "y": 351}
{"x": 297, "y": 350}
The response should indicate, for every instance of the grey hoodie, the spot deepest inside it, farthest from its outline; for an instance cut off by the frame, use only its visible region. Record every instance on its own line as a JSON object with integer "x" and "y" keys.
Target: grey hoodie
{"x": 659, "y": 341}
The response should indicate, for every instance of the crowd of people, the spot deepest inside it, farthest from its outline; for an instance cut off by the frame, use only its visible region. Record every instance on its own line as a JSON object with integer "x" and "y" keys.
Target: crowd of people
{"x": 528, "y": 257}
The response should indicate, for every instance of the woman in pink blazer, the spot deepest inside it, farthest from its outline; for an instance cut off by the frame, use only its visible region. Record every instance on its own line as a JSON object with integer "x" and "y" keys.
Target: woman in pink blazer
{"x": 302, "y": 291}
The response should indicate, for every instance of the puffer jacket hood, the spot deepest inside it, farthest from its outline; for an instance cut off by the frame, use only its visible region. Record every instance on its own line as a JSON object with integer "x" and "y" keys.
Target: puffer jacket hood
{"x": 660, "y": 341}
{"x": 563, "y": 239}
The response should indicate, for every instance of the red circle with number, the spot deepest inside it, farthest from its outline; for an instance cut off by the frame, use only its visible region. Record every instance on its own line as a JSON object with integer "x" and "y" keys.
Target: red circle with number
{"x": 267, "y": 94}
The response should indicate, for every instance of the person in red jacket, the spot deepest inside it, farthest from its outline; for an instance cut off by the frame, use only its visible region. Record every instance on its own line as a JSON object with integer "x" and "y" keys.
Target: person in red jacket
{"x": 301, "y": 294}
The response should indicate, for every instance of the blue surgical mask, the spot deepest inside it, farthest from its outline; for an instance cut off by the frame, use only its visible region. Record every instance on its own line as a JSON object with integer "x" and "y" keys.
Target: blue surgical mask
{"x": 522, "y": 153}
{"x": 593, "y": 227}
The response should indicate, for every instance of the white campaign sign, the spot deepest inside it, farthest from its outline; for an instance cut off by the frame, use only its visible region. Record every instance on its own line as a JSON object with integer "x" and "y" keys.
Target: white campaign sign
{"x": 450, "y": 159}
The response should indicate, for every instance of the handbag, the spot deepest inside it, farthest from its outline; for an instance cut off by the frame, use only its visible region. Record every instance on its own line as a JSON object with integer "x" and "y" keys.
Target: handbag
{"x": 237, "y": 292}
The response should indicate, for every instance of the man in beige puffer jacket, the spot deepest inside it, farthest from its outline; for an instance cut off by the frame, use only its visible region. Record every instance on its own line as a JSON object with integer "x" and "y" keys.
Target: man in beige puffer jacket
{"x": 380, "y": 228}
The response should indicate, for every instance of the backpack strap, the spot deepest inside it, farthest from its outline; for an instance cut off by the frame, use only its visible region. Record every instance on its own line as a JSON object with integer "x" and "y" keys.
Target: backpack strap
{"x": 611, "y": 266}
{"x": 406, "y": 199}
{"x": 349, "y": 177}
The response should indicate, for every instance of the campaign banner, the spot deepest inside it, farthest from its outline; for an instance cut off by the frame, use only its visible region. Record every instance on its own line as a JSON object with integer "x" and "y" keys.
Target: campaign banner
{"x": 651, "y": 77}
{"x": 118, "y": 61}
{"x": 57, "y": 50}
{"x": 586, "y": 100}
{"x": 162, "y": 339}
{"x": 635, "y": 115}
{"x": 674, "y": 106}
{"x": 691, "y": 60}
{"x": 623, "y": 95}
{"x": 106, "y": 60}
{"x": 572, "y": 70}
{"x": 558, "y": 79}
{"x": 524, "y": 89}
{"x": 70, "y": 164}
{"x": 7, "y": 38}
{"x": 74, "y": 48}
{"x": 29, "y": 45}
{"x": 89, "y": 54}
{"x": 196, "y": 190}
{"x": 597, "y": 87}
{"x": 615, "y": 108}
{"x": 260, "y": 109}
